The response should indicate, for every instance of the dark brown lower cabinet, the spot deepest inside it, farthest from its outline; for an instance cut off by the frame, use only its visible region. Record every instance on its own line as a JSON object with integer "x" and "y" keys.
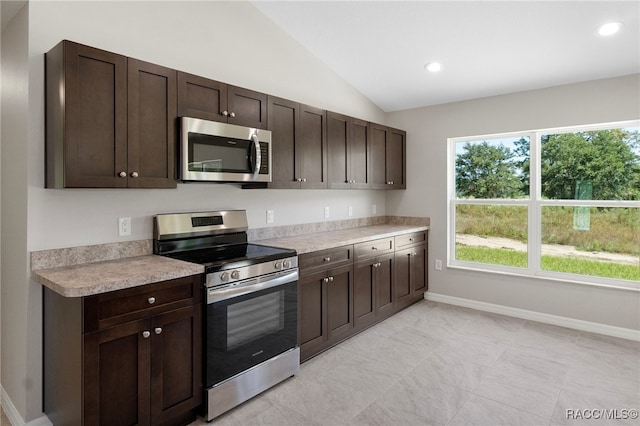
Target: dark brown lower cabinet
{"x": 144, "y": 367}
{"x": 325, "y": 300}
{"x": 373, "y": 290}
{"x": 411, "y": 275}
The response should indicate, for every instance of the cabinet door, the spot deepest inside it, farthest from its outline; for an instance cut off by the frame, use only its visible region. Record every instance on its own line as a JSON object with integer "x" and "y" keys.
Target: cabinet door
{"x": 396, "y": 159}
{"x": 419, "y": 270}
{"x": 201, "y": 97}
{"x": 176, "y": 364}
{"x": 377, "y": 156}
{"x": 359, "y": 154}
{"x": 339, "y": 284}
{"x": 311, "y": 147}
{"x": 364, "y": 309}
{"x": 87, "y": 123}
{"x": 384, "y": 269}
{"x": 246, "y": 107}
{"x": 152, "y": 116}
{"x": 283, "y": 121}
{"x": 338, "y": 150}
{"x": 311, "y": 319}
{"x": 116, "y": 375}
{"x": 402, "y": 287}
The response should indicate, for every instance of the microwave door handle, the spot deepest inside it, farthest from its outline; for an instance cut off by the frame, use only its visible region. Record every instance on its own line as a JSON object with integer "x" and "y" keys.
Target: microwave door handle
{"x": 257, "y": 155}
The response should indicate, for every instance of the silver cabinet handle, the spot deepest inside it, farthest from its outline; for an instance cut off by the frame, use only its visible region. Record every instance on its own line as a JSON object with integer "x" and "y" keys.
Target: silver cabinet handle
{"x": 122, "y": 174}
{"x": 374, "y": 248}
{"x": 415, "y": 254}
{"x": 225, "y": 113}
{"x": 146, "y": 334}
{"x": 326, "y": 280}
{"x": 304, "y": 179}
{"x": 331, "y": 279}
{"x": 151, "y": 300}
{"x": 233, "y": 114}
{"x": 410, "y": 239}
{"x": 134, "y": 174}
{"x": 158, "y": 330}
{"x": 327, "y": 259}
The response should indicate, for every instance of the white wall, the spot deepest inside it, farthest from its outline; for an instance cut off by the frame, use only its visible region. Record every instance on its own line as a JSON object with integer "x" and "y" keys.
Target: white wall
{"x": 19, "y": 341}
{"x": 426, "y": 195}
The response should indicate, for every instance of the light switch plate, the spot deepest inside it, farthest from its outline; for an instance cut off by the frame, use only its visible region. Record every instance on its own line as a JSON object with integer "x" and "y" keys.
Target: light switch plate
{"x": 326, "y": 212}
{"x": 438, "y": 265}
{"x": 269, "y": 216}
{"x": 350, "y": 210}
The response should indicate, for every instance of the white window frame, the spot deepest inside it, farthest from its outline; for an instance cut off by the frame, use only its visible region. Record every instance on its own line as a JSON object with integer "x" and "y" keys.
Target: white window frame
{"x": 534, "y": 205}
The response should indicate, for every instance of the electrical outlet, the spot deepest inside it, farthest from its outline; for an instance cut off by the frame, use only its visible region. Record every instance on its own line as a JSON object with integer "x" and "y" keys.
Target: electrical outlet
{"x": 269, "y": 216}
{"x": 350, "y": 211}
{"x": 438, "y": 265}
{"x": 326, "y": 212}
{"x": 373, "y": 209}
{"x": 124, "y": 226}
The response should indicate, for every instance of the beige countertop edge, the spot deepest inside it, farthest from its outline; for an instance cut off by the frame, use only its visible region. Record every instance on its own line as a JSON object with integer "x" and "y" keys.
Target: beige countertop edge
{"x": 308, "y": 243}
{"x": 101, "y": 277}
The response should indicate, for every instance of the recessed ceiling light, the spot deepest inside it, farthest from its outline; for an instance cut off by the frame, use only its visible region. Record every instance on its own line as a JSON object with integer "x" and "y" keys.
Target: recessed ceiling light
{"x": 609, "y": 28}
{"x": 433, "y": 67}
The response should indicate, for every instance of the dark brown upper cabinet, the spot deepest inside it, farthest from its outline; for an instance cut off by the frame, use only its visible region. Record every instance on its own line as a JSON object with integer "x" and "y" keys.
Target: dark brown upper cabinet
{"x": 110, "y": 120}
{"x": 208, "y": 99}
{"x": 348, "y": 152}
{"x": 396, "y": 159}
{"x": 299, "y": 144}
{"x": 387, "y": 157}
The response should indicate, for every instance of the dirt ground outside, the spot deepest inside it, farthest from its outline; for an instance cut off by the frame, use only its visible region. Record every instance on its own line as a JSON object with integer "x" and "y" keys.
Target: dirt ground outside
{"x": 547, "y": 249}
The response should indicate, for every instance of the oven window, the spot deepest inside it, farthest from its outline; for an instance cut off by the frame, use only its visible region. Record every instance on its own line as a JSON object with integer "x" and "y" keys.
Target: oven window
{"x": 254, "y": 318}
{"x": 209, "y": 153}
{"x": 244, "y": 331}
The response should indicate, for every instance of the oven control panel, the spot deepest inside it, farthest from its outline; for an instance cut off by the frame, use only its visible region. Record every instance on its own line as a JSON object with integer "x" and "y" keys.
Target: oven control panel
{"x": 252, "y": 271}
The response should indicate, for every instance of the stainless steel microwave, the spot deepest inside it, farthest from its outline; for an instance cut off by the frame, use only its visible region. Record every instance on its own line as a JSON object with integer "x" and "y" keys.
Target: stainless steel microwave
{"x": 220, "y": 152}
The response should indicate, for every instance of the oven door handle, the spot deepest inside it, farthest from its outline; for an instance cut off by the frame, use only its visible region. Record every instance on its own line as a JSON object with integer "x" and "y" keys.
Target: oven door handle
{"x": 251, "y": 285}
{"x": 257, "y": 155}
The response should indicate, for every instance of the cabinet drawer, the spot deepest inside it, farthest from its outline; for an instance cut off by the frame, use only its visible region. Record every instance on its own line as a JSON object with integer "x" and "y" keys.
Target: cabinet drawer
{"x": 108, "y": 309}
{"x": 373, "y": 248}
{"x": 413, "y": 238}
{"x": 325, "y": 258}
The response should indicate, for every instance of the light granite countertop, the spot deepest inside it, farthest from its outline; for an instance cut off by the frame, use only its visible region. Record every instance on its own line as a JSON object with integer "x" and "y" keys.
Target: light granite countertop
{"x": 56, "y": 269}
{"x": 308, "y": 243}
{"x": 100, "y": 277}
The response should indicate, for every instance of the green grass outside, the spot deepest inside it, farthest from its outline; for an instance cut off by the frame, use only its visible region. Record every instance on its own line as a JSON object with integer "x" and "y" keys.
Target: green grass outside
{"x": 614, "y": 230}
{"x": 506, "y": 257}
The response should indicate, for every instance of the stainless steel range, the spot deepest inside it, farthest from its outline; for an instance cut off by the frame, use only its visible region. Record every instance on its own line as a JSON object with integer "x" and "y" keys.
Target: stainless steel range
{"x": 251, "y": 312}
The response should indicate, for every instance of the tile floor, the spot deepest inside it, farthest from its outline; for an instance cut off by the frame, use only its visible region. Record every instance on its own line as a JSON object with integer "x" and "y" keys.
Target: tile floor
{"x": 437, "y": 364}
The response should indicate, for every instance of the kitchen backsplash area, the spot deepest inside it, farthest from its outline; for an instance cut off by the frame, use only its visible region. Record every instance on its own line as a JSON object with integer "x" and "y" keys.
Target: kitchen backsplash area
{"x": 54, "y": 258}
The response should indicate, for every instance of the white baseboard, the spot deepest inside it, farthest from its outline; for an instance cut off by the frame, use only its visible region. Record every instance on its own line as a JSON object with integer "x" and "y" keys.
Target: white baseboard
{"x": 593, "y": 327}
{"x": 14, "y": 417}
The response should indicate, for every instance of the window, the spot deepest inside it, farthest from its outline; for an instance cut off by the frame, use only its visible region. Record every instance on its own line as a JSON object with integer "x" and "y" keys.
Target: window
{"x": 561, "y": 204}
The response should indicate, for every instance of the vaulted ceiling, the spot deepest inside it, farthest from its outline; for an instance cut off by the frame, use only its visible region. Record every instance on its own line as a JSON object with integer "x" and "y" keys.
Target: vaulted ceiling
{"x": 486, "y": 48}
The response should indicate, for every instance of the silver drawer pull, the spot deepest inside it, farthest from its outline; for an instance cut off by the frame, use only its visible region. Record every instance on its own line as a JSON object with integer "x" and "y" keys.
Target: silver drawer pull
{"x": 158, "y": 330}
{"x": 327, "y": 259}
{"x": 326, "y": 280}
{"x": 151, "y": 300}
{"x": 410, "y": 239}
{"x": 331, "y": 279}
{"x": 146, "y": 334}
{"x": 374, "y": 248}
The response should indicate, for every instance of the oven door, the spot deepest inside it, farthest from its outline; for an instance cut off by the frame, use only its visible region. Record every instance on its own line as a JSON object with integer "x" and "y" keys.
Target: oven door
{"x": 212, "y": 151}
{"x": 249, "y": 323}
